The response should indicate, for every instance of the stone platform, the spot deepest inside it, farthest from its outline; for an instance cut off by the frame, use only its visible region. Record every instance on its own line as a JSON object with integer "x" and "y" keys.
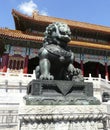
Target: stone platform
{"x": 62, "y": 117}
{"x": 59, "y": 92}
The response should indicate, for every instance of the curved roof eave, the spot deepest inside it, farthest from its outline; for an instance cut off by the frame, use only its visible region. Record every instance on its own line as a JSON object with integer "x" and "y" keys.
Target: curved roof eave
{"x": 89, "y": 45}
{"x": 47, "y": 19}
{"x": 16, "y": 34}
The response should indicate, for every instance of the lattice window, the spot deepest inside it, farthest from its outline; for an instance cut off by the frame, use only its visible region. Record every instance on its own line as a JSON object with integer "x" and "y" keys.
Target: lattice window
{"x": 16, "y": 63}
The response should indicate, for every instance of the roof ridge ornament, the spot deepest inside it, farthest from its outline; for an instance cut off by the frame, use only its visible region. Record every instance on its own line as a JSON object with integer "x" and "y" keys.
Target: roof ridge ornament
{"x": 35, "y": 14}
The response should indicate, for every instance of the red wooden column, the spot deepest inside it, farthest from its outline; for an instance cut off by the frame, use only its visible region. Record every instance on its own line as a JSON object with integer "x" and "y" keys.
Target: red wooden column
{"x": 0, "y": 62}
{"x": 4, "y": 63}
{"x": 97, "y": 69}
{"x": 81, "y": 62}
{"x": 82, "y": 68}
{"x": 106, "y": 68}
{"x": 25, "y": 70}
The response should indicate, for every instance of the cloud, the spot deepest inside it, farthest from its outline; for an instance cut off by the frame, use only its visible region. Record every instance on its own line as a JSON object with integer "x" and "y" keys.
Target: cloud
{"x": 28, "y": 7}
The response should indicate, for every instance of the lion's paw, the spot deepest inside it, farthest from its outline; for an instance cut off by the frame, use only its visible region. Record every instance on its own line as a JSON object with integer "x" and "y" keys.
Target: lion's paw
{"x": 46, "y": 77}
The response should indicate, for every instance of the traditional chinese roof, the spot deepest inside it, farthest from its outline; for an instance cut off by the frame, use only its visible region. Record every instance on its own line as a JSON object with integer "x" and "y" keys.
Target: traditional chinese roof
{"x": 23, "y": 21}
{"x": 16, "y": 34}
{"x": 39, "y": 22}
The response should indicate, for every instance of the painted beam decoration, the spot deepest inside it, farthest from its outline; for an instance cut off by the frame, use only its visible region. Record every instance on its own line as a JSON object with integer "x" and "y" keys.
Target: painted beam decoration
{"x": 33, "y": 52}
{"x": 17, "y": 51}
{"x": 94, "y": 58}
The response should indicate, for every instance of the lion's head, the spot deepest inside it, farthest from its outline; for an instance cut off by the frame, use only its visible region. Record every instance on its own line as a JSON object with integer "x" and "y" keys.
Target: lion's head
{"x": 57, "y": 33}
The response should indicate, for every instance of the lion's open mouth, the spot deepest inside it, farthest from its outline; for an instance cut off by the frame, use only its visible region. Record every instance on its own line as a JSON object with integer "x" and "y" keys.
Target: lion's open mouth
{"x": 65, "y": 38}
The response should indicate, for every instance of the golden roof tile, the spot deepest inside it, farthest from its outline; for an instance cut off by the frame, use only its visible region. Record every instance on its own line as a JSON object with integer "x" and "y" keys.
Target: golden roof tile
{"x": 19, "y": 35}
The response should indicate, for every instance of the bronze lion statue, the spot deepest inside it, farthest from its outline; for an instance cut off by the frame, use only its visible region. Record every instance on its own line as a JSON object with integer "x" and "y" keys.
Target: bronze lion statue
{"x": 56, "y": 59}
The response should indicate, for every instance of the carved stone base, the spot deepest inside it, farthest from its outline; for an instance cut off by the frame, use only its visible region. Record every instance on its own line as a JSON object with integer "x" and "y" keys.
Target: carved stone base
{"x": 58, "y": 92}
{"x": 60, "y": 100}
{"x": 62, "y": 117}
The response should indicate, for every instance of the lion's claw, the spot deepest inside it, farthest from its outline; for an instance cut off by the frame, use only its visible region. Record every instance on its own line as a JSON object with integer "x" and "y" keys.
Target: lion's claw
{"x": 46, "y": 77}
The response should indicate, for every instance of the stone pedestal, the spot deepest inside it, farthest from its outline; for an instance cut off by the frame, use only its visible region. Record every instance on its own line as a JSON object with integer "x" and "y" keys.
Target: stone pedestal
{"x": 60, "y": 92}
{"x": 62, "y": 117}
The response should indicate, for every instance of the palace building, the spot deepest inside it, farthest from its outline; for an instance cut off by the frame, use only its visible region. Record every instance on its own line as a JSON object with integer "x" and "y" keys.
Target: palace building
{"x": 18, "y": 48}
{"x": 19, "y": 57}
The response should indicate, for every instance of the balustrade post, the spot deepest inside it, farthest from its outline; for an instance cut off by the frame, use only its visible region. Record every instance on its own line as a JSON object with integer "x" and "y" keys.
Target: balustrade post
{"x": 99, "y": 76}
{"x": 21, "y": 75}
{"x": 20, "y": 86}
{"x": 19, "y": 124}
{"x": 6, "y": 85}
{"x": 106, "y": 78}
{"x": 33, "y": 75}
{"x": 90, "y": 77}
{"x": 20, "y": 80}
{"x": 7, "y": 75}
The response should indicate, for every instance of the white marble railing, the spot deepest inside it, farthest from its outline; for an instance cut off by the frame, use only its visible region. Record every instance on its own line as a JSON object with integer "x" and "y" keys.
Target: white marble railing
{"x": 98, "y": 82}
{"x": 21, "y": 80}
{"x": 8, "y": 117}
{"x": 15, "y": 79}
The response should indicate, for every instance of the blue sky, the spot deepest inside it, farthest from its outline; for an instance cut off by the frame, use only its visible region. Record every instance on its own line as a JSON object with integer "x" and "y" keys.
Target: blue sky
{"x": 89, "y": 11}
